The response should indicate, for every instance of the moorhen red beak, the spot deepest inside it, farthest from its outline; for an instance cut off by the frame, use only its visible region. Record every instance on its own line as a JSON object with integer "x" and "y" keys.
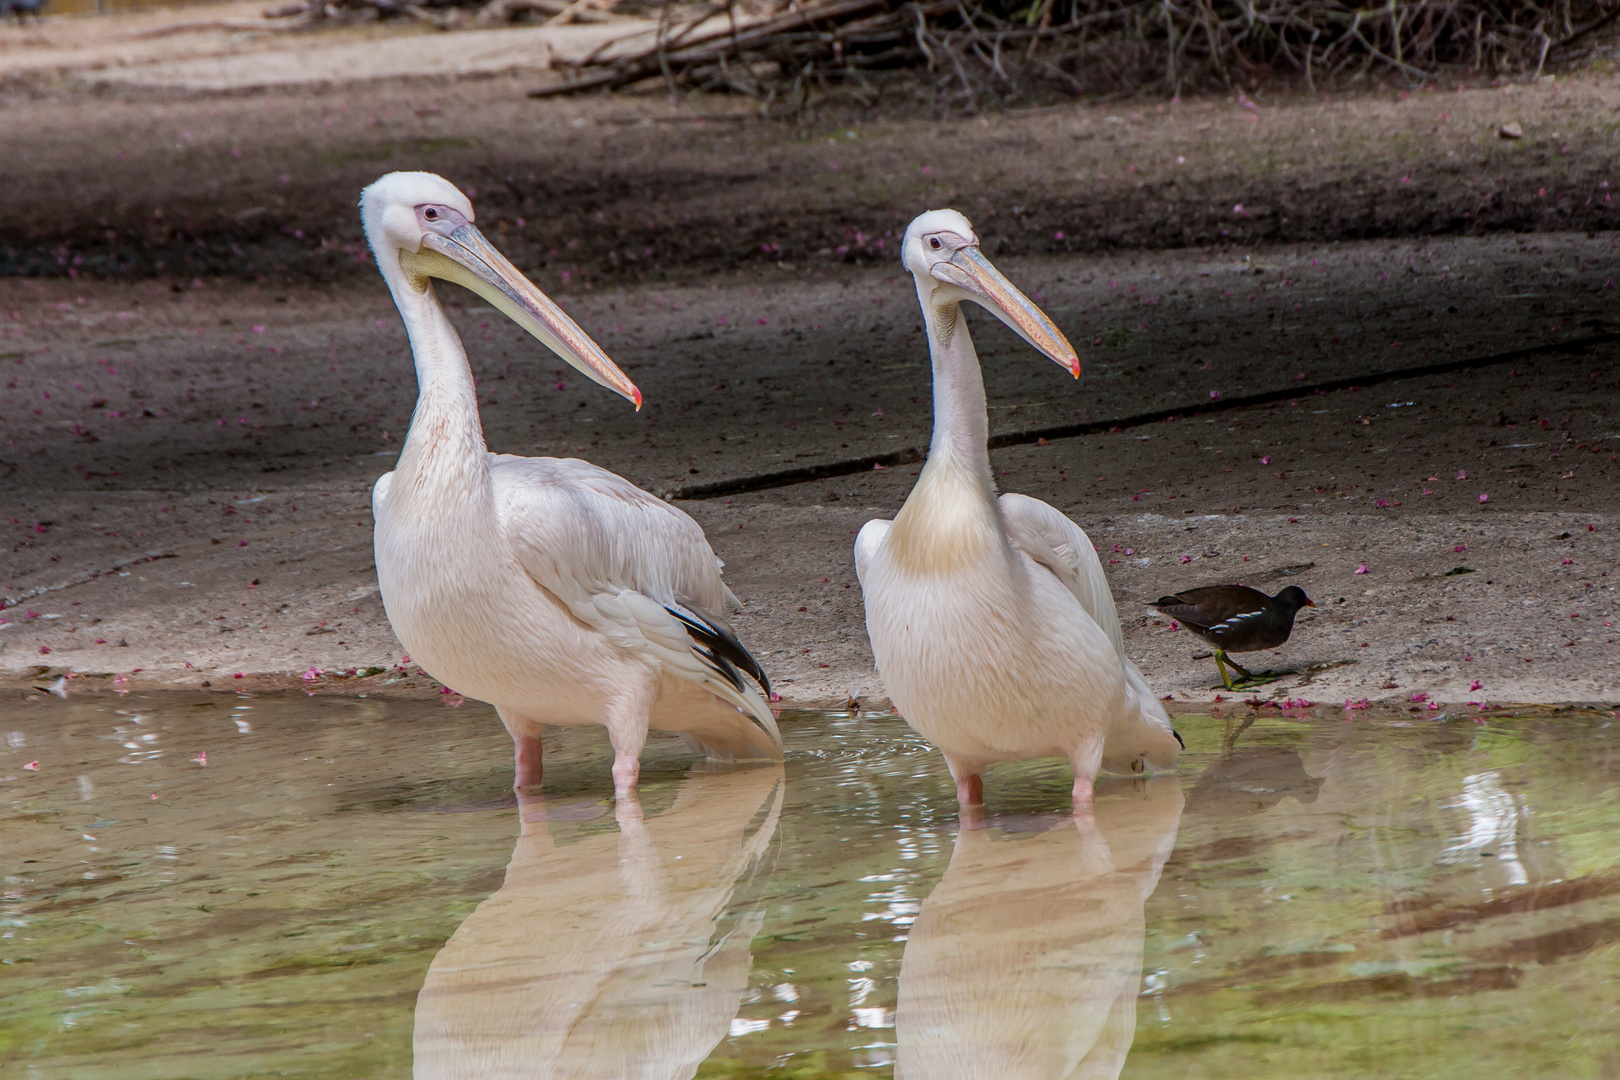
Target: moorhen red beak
{"x": 1235, "y": 618}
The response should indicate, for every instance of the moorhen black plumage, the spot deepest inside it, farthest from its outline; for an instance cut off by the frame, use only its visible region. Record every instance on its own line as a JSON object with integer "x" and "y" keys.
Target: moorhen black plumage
{"x": 1235, "y": 618}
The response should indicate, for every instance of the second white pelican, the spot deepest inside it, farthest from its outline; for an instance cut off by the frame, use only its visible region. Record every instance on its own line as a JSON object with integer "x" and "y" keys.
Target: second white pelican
{"x": 990, "y": 618}
{"x": 548, "y": 587}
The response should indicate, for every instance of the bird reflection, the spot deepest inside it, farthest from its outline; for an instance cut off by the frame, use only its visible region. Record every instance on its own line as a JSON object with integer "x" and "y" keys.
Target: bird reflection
{"x": 1248, "y": 779}
{"x": 610, "y": 956}
{"x": 1026, "y": 959}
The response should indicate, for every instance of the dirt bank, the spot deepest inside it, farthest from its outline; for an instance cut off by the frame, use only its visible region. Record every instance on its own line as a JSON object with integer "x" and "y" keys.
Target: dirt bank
{"x": 191, "y": 470}
{"x": 204, "y": 377}
{"x": 129, "y": 181}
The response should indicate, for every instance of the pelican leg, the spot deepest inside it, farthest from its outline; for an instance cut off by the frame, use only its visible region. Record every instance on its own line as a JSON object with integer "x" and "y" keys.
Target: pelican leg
{"x": 528, "y": 772}
{"x": 969, "y": 784}
{"x": 525, "y": 747}
{"x": 1087, "y": 761}
{"x": 627, "y": 731}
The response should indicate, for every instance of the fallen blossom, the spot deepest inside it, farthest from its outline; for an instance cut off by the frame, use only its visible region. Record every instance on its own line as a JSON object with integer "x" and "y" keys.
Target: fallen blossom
{"x": 1266, "y": 460}
{"x": 1362, "y": 569}
{"x": 1462, "y": 474}
{"x": 32, "y": 766}
{"x": 1475, "y": 685}
{"x": 312, "y": 673}
{"x": 1186, "y": 558}
{"x": 1362, "y": 704}
{"x": 1568, "y": 562}
{"x": 1420, "y": 696}
{"x": 201, "y": 758}
{"x": 1484, "y": 497}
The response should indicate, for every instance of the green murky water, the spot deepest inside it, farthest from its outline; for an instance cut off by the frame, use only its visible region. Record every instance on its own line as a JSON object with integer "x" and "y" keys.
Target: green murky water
{"x": 222, "y": 886}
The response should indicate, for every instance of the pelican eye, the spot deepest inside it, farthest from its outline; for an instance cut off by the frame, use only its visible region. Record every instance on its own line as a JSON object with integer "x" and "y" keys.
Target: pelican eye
{"x": 933, "y": 242}
{"x": 431, "y": 214}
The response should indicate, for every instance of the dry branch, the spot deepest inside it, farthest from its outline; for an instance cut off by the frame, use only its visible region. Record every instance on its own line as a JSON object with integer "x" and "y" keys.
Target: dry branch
{"x": 966, "y": 50}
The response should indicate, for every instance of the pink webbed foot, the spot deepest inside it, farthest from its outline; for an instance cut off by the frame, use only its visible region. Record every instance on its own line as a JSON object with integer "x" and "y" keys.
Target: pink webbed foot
{"x": 526, "y": 749}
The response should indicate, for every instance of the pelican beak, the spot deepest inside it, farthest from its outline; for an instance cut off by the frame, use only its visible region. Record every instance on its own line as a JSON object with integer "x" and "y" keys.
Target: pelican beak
{"x": 970, "y": 270}
{"x": 471, "y": 261}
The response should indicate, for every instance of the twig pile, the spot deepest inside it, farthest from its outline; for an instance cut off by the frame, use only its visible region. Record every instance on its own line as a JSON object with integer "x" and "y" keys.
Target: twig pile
{"x": 971, "y": 50}
{"x": 976, "y": 49}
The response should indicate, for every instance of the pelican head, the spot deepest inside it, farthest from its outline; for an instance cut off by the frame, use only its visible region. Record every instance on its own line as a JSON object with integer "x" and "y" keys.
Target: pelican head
{"x": 420, "y": 226}
{"x": 942, "y": 253}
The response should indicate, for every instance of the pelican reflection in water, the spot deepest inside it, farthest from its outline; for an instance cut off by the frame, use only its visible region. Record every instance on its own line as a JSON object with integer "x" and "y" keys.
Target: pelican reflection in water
{"x": 1026, "y": 960}
{"x": 610, "y": 956}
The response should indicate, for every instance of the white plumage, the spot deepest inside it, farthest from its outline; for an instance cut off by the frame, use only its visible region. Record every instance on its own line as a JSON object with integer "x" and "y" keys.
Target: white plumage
{"x": 990, "y": 618}
{"x": 551, "y": 588}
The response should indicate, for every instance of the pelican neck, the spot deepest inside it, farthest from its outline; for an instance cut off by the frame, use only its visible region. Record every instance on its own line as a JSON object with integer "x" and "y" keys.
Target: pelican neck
{"x": 961, "y": 422}
{"x": 446, "y": 434}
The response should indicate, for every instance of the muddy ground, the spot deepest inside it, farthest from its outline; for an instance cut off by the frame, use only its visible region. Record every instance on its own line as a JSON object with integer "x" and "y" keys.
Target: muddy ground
{"x": 204, "y": 376}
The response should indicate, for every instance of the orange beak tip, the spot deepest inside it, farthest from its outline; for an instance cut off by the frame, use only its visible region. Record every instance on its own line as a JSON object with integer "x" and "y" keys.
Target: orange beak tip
{"x": 637, "y": 399}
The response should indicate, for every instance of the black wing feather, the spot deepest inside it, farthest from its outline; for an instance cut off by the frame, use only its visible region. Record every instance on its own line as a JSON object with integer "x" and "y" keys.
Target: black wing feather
{"x": 716, "y": 642}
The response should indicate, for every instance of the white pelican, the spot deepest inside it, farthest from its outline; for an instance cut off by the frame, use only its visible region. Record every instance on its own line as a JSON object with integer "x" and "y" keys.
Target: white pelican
{"x": 548, "y": 587}
{"x": 990, "y": 619}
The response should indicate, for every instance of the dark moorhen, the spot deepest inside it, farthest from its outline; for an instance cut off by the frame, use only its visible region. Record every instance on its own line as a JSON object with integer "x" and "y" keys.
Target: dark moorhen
{"x": 1235, "y": 618}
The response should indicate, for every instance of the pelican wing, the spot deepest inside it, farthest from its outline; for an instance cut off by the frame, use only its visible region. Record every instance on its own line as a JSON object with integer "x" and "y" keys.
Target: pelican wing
{"x": 632, "y": 567}
{"x": 867, "y": 543}
{"x": 1062, "y": 547}
{"x": 1051, "y": 539}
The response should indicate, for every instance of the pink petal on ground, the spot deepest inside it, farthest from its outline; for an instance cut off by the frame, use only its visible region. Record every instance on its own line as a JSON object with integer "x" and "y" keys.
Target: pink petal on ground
{"x": 32, "y": 766}
{"x": 1362, "y": 569}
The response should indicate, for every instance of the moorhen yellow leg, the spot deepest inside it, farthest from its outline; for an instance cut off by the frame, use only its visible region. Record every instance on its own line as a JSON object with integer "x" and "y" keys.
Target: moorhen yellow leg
{"x": 1222, "y": 660}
